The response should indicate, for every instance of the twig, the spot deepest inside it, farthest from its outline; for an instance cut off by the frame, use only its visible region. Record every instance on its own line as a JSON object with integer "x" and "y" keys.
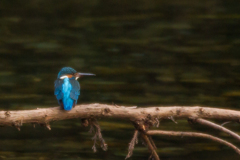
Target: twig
{"x": 157, "y": 122}
{"x": 150, "y": 146}
{"x": 216, "y": 126}
{"x": 225, "y": 123}
{"x": 97, "y": 136}
{"x": 132, "y": 144}
{"x": 48, "y": 126}
{"x": 152, "y": 142}
{"x": 193, "y": 134}
{"x": 172, "y": 118}
{"x": 143, "y": 128}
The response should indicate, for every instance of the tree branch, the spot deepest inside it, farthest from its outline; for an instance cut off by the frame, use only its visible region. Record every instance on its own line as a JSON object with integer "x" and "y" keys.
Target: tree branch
{"x": 46, "y": 115}
{"x": 142, "y": 119}
{"x": 216, "y": 126}
{"x": 97, "y": 135}
{"x": 150, "y": 146}
{"x": 132, "y": 144}
{"x": 193, "y": 134}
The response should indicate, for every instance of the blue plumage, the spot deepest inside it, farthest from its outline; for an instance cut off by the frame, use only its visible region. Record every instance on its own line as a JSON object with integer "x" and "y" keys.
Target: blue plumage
{"x": 67, "y": 88}
{"x": 66, "y": 71}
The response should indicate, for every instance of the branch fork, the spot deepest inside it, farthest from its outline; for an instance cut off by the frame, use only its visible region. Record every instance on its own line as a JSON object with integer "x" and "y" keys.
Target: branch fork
{"x": 143, "y": 119}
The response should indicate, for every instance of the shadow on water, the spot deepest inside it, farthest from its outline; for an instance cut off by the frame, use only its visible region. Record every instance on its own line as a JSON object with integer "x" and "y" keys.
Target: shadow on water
{"x": 143, "y": 53}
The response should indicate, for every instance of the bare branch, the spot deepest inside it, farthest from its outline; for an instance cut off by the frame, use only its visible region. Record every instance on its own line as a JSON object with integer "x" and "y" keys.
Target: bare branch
{"x": 146, "y": 116}
{"x": 132, "y": 144}
{"x": 48, "y": 126}
{"x": 225, "y": 123}
{"x": 172, "y": 118}
{"x": 46, "y": 115}
{"x": 142, "y": 128}
{"x": 157, "y": 122}
{"x": 152, "y": 142}
{"x": 216, "y": 126}
{"x": 97, "y": 136}
{"x": 150, "y": 146}
{"x": 193, "y": 134}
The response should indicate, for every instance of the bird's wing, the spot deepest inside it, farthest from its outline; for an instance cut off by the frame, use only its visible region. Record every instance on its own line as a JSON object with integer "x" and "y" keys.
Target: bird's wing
{"x": 58, "y": 89}
{"x": 75, "y": 92}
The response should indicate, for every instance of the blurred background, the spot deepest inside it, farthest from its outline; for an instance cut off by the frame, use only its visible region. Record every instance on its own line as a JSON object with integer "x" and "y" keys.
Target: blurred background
{"x": 144, "y": 53}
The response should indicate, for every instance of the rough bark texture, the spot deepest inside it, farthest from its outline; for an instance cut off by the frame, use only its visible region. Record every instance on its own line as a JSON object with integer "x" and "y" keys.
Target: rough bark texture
{"x": 46, "y": 115}
{"x": 142, "y": 119}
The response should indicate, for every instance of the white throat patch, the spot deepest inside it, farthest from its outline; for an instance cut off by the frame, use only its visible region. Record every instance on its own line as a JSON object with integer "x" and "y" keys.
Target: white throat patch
{"x": 63, "y": 77}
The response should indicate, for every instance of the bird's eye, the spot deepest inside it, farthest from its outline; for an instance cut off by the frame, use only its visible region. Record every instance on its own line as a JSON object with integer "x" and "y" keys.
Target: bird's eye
{"x": 62, "y": 77}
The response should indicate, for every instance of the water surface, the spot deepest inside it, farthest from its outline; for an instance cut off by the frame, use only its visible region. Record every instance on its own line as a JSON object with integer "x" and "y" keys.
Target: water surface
{"x": 144, "y": 53}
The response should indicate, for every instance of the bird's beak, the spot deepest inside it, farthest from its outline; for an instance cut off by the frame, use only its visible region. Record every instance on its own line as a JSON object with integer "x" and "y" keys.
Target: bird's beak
{"x": 84, "y": 74}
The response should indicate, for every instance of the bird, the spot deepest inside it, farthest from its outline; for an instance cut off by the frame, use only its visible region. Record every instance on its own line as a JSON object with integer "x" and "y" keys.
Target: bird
{"x": 67, "y": 88}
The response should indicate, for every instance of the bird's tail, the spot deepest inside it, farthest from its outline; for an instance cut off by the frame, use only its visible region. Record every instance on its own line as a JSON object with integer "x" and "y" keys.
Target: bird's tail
{"x": 68, "y": 103}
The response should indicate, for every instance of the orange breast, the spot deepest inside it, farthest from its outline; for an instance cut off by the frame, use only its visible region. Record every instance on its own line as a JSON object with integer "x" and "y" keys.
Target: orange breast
{"x": 70, "y": 76}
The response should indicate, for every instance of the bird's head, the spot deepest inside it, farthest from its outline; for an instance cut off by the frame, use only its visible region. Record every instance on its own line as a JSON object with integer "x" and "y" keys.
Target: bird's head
{"x": 68, "y": 72}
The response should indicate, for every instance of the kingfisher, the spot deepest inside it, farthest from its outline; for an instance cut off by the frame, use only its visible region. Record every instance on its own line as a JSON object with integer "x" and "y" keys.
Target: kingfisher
{"x": 67, "y": 88}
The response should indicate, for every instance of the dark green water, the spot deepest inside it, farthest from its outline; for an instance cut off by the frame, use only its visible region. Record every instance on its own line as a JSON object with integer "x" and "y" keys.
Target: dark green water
{"x": 144, "y": 53}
